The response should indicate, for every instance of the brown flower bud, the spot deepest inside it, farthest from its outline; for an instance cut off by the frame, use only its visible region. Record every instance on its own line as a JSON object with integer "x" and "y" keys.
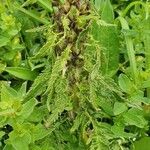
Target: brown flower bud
{"x": 67, "y": 7}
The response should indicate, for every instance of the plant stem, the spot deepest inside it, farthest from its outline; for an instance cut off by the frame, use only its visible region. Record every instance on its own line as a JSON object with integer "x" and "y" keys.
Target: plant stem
{"x": 42, "y": 20}
{"x": 147, "y": 49}
{"x": 131, "y": 5}
{"x": 130, "y": 49}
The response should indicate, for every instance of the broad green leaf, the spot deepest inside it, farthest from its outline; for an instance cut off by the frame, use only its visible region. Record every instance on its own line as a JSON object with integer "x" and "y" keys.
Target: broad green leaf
{"x": 8, "y": 147}
{"x": 10, "y": 101}
{"x": 38, "y": 114}
{"x": 119, "y": 108}
{"x": 3, "y": 40}
{"x": 13, "y": 32}
{"x": 28, "y": 108}
{"x": 9, "y": 90}
{"x": 110, "y": 42}
{"x": 9, "y": 55}
{"x": 138, "y": 98}
{"x": 118, "y": 131}
{"x": 125, "y": 84}
{"x": 20, "y": 142}
{"x": 107, "y": 107}
{"x": 135, "y": 117}
{"x": 107, "y": 36}
{"x": 142, "y": 144}
{"x": 8, "y": 94}
{"x": 22, "y": 73}
{"x": 108, "y": 39}
{"x": 107, "y": 12}
{"x": 41, "y": 132}
{"x": 99, "y": 4}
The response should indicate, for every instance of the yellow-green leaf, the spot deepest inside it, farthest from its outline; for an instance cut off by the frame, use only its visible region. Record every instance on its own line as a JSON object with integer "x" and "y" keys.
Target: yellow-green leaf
{"x": 22, "y": 73}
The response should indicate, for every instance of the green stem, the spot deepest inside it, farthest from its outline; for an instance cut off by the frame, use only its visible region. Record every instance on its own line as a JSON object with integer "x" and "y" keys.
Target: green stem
{"x": 147, "y": 48}
{"x": 130, "y": 49}
{"x": 46, "y": 5}
{"x": 131, "y": 5}
{"x": 42, "y": 20}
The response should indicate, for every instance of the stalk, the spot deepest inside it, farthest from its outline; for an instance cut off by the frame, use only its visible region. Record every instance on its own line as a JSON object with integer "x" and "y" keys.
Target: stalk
{"x": 147, "y": 49}
{"x": 131, "y": 5}
{"x": 130, "y": 50}
{"x": 37, "y": 18}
